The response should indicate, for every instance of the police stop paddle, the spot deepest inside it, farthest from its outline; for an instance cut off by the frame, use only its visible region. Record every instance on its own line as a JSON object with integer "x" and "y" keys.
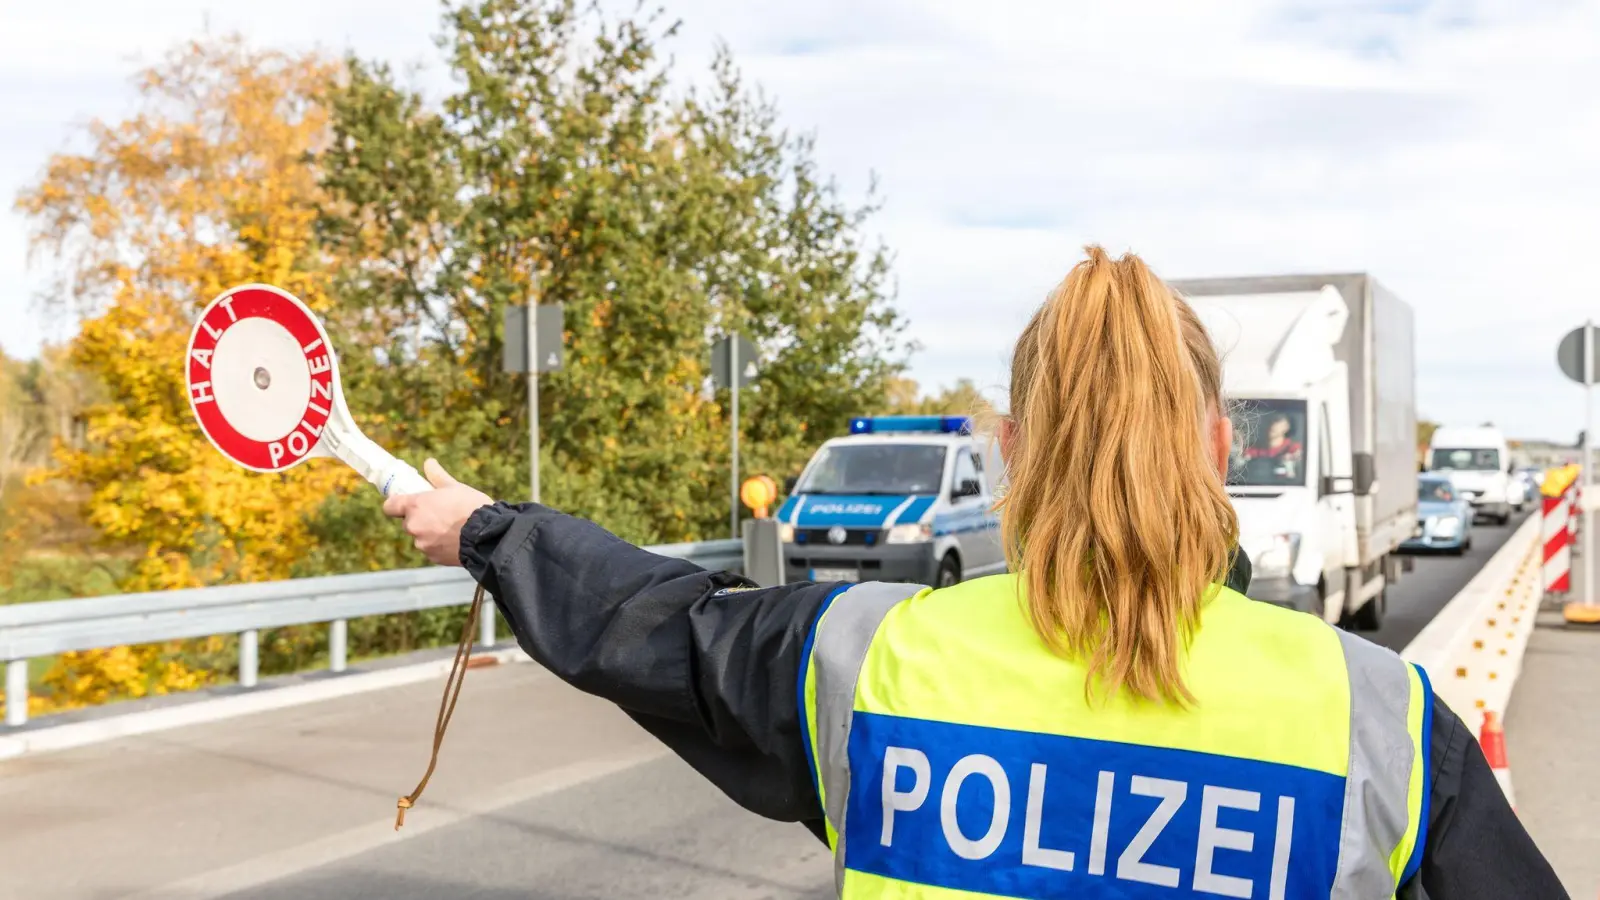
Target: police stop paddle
{"x": 263, "y": 382}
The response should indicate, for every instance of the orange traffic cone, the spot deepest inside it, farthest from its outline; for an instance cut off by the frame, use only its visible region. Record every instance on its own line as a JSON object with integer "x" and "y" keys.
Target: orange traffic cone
{"x": 1493, "y": 740}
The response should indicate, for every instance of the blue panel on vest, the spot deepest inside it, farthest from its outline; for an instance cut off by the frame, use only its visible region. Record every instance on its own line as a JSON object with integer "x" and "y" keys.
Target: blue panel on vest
{"x": 1083, "y": 818}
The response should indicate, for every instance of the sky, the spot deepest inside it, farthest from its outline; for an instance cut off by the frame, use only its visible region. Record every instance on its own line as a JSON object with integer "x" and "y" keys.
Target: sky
{"x": 1447, "y": 148}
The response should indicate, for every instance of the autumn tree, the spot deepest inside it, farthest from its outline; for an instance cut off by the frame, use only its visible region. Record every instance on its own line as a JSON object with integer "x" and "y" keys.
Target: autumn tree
{"x": 210, "y": 185}
{"x": 19, "y": 427}
{"x": 563, "y": 170}
{"x": 905, "y": 397}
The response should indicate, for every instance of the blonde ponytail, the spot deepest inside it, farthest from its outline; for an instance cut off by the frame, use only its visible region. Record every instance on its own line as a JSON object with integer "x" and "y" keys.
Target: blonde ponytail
{"x": 1115, "y": 518}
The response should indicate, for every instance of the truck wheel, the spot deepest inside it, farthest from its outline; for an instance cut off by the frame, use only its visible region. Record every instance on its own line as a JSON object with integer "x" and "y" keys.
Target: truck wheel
{"x": 949, "y": 571}
{"x": 1370, "y": 616}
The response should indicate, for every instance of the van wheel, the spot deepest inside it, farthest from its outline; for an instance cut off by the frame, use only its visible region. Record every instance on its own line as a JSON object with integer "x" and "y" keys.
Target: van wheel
{"x": 949, "y": 571}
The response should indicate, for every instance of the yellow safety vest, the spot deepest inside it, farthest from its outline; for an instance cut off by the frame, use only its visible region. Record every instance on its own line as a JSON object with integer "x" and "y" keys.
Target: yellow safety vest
{"x": 957, "y": 756}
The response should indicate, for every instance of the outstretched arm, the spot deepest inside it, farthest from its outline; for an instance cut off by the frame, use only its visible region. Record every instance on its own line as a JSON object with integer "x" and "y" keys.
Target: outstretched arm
{"x": 705, "y": 661}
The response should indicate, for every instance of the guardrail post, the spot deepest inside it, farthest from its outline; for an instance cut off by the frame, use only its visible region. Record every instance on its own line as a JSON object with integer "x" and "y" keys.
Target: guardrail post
{"x": 486, "y": 624}
{"x": 16, "y": 692}
{"x": 763, "y": 552}
{"x": 338, "y": 640}
{"x": 249, "y": 657}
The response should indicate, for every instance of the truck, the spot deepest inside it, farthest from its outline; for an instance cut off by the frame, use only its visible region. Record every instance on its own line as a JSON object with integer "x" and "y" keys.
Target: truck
{"x": 898, "y": 498}
{"x": 1320, "y": 381}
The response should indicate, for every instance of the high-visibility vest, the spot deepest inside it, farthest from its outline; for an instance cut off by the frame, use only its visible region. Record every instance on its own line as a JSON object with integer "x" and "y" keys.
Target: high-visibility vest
{"x": 957, "y": 756}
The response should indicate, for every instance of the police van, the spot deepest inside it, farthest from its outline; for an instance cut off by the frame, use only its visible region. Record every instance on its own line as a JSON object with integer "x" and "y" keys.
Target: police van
{"x": 902, "y": 498}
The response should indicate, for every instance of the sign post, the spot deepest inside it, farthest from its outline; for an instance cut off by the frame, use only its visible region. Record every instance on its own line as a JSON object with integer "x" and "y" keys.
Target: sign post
{"x": 533, "y": 345}
{"x": 1575, "y": 356}
{"x": 733, "y": 365}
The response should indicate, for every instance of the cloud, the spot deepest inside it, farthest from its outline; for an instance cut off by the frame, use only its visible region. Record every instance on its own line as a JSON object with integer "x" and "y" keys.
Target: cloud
{"x": 1444, "y": 145}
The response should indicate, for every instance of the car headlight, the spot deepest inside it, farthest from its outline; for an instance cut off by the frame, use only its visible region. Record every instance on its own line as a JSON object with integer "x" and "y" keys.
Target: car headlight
{"x": 1447, "y": 526}
{"x": 786, "y": 533}
{"x": 1277, "y": 560}
{"x": 910, "y": 534}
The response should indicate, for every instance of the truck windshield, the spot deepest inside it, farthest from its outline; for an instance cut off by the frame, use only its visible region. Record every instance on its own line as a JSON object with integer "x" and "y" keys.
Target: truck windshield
{"x": 1268, "y": 443}
{"x": 1470, "y": 460}
{"x": 875, "y": 469}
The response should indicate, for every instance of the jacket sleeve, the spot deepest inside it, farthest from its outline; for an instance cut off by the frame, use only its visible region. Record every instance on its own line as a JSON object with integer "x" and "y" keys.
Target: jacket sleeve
{"x": 1476, "y": 847}
{"x": 705, "y": 661}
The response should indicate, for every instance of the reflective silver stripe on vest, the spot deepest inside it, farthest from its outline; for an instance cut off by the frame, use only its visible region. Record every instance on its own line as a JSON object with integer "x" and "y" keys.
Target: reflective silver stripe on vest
{"x": 1378, "y": 787}
{"x": 837, "y": 652}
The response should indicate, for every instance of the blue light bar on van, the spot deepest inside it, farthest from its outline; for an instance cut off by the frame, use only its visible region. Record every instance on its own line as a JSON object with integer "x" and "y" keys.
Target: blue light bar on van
{"x": 911, "y": 424}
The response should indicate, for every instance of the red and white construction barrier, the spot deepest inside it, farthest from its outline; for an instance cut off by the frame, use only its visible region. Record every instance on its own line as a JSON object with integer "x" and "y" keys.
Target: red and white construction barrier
{"x": 1575, "y": 505}
{"x": 1556, "y": 533}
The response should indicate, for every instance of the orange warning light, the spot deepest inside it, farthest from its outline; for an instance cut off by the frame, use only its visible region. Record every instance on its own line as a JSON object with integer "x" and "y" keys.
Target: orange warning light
{"x": 758, "y": 492}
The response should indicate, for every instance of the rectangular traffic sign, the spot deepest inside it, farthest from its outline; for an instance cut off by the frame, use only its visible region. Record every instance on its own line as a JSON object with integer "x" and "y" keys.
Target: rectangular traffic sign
{"x": 749, "y": 365}
{"x": 547, "y": 341}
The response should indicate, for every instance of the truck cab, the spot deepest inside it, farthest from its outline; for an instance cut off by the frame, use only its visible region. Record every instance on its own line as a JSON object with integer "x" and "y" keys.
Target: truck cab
{"x": 900, "y": 498}
{"x": 1478, "y": 463}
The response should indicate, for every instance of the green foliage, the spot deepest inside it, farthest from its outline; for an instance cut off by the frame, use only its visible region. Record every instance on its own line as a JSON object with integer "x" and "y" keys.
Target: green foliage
{"x": 563, "y": 172}
{"x": 61, "y": 577}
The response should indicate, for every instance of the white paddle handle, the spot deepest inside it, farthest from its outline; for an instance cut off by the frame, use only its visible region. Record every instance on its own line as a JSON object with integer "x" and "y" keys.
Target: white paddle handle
{"x": 378, "y": 466}
{"x": 402, "y": 478}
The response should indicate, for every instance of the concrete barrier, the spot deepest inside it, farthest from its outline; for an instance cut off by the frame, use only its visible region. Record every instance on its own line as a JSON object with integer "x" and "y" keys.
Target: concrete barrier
{"x": 1473, "y": 649}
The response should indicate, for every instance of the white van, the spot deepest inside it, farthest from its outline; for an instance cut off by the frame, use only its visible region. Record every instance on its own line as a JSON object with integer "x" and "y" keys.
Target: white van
{"x": 901, "y": 498}
{"x": 1478, "y": 463}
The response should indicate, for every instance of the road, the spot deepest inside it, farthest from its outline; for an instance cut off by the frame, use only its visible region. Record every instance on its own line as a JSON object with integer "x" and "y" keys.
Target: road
{"x": 541, "y": 793}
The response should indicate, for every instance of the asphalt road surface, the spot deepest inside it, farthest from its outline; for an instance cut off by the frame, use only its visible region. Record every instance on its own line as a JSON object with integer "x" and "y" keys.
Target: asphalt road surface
{"x": 541, "y": 793}
{"x": 1421, "y": 593}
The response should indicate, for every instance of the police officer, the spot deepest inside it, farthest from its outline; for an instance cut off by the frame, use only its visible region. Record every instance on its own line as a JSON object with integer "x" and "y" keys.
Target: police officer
{"x": 1114, "y": 720}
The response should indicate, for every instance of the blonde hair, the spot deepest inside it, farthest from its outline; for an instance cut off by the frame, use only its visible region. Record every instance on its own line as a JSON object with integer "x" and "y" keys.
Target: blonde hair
{"x": 1115, "y": 518}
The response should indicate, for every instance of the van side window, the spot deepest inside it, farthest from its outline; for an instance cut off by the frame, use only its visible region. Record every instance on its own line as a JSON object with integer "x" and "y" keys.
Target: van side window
{"x": 965, "y": 470}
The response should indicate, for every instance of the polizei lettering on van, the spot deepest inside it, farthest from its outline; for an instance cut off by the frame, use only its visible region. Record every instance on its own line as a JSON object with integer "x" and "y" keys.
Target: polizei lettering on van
{"x": 1037, "y": 815}
{"x": 847, "y": 509}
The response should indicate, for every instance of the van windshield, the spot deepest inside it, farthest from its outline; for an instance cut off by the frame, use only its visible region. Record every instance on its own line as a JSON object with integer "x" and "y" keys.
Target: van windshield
{"x": 1475, "y": 459}
{"x": 875, "y": 469}
{"x": 1268, "y": 443}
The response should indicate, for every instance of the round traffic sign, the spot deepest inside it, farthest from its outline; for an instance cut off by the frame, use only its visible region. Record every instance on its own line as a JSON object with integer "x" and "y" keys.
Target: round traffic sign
{"x": 261, "y": 377}
{"x": 1570, "y": 356}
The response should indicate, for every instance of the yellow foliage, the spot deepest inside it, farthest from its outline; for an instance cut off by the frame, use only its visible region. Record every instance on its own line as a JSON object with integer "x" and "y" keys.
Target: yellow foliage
{"x": 209, "y": 186}
{"x": 95, "y": 676}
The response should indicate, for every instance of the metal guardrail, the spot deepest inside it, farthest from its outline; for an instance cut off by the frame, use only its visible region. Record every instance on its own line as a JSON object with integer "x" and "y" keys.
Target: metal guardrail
{"x": 32, "y": 630}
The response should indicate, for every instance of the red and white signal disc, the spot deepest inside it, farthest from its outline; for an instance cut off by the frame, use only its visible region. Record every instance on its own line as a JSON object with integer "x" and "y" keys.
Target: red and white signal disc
{"x": 261, "y": 377}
